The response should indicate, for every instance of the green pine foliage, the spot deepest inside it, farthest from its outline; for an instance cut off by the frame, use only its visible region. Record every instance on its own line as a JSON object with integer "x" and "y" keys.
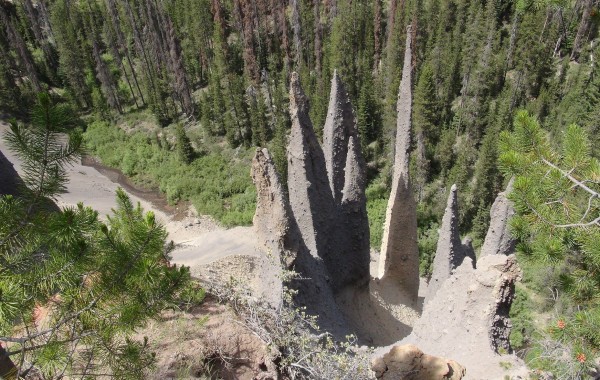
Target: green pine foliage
{"x": 185, "y": 152}
{"x": 74, "y": 288}
{"x": 556, "y": 197}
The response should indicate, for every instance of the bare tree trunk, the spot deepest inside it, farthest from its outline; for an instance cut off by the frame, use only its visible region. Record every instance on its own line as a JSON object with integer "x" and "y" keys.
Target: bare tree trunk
{"x": 582, "y": 30}
{"x": 377, "y": 33}
{"x": 563, "y": 35}
{"x": 281, "y": 21}
{"x": 318, "y": 38}
{"x": 297, "y": 30}
{"x": 19, "y": 45}
{"x": 42, "y": 41}
{"x": 114, "y": 16}
{"x": 511, "y": 45}
{"x": 245, "y": 14}
{"x": 181, "y": 84}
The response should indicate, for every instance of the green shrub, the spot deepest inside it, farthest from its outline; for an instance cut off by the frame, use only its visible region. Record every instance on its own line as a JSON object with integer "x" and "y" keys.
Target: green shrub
{"x": 217, "y": 184}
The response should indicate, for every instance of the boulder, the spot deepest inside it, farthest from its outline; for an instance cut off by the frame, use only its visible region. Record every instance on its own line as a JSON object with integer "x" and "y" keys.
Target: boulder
{"x": 408, "y": 362}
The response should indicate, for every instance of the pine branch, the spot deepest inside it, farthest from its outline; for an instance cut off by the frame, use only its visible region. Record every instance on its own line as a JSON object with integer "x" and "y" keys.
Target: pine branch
{"x": 571, "y": 178}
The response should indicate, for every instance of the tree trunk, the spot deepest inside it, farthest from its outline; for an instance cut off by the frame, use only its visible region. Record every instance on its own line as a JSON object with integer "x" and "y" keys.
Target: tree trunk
{"x": 21, "y": 48}
{"x": 318, "y": 37}
{"x": 377, "y": 33}
{"x": 582, "y": 30}
{"x": 297, "y": 30}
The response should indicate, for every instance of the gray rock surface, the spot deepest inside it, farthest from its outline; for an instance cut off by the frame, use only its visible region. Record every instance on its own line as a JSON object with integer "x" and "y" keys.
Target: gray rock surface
{"x": 309, "y": 193}
{"x": 498, "y": 240}
{"x": 399, "y": 260}
{"x": 340, "y": 124}
{"x": 355, "y": 234}
{"x": 273, "y": 222}
{"x": 277, "y": 231}
{"x": 449, "y": 253}
{"x": 467, "y": 319}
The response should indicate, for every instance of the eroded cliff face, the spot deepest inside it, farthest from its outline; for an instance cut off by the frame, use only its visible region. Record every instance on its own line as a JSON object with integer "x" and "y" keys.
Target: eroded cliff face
{"x": 399, "y": 257}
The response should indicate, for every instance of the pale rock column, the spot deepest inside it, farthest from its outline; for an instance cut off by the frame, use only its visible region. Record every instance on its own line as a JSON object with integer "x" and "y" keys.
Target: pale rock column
{"x": 399, "y": 258}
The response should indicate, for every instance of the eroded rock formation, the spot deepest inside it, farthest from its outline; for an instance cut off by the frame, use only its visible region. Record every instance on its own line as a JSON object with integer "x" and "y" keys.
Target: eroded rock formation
{"x": 467, "y": 319}
{"x": 450, "y": 252}
{"x": 399, "y": 258}
{"x": 498, "y": 240}
{"x": 333, "y": 230}
{"x": 408, "y": 362}
{"x": 309, "y": 193}
{"x": 354, "y": 236}
{"x": 273, "y": 220}
{"x": 340, "y": 125}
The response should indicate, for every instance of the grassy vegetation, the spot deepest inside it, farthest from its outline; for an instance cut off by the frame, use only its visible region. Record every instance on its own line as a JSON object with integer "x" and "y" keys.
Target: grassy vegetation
{"x": 217, "y": 181}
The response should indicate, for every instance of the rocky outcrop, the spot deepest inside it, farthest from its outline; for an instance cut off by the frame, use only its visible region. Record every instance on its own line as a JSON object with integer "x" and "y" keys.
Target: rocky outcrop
{"x": 498, "y": 240}
{"x": 309, "y": 193}
{"x": 399, "y": 259}
{"x": 450, "y": 252}
{"x": 339, "y": 126}
{"x": 408, "y": 362}
{"x": 273, "y": 221}
{"x": 467, "y": 319}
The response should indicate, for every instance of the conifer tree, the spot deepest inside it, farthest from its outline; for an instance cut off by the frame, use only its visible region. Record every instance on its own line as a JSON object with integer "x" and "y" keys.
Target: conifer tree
{"x": 95, "y": 282}
{"x": 185, "y": 152}
{"x": 557, "y": 200}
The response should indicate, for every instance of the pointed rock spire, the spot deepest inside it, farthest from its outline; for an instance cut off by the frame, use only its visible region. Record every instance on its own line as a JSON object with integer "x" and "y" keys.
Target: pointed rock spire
{"x": 354, "y": 174}
{"x": 450, "y": 253}
{"x": 309, "y": 192}
{"x": 339, "y": 126}
{"x": 273, "y": 220}
{"x": 399, "y": 258}
{"x": 353, "y": 217}
{"x": 498, "y": 240}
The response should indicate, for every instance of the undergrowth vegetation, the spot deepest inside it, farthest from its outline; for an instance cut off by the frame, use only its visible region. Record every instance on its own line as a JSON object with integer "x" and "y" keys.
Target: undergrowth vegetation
{"x": 216, "y": 181}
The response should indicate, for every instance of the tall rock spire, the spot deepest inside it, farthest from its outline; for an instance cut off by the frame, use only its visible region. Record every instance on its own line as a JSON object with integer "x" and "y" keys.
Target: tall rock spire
{"x": 498, "y": 240}
{"x": 450, "y": 253}
{"x": 354, "y": 219}
{"x": 309, "y": 193}
{"x": 399, "y": 259}
{"x": 339, "y": 126}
